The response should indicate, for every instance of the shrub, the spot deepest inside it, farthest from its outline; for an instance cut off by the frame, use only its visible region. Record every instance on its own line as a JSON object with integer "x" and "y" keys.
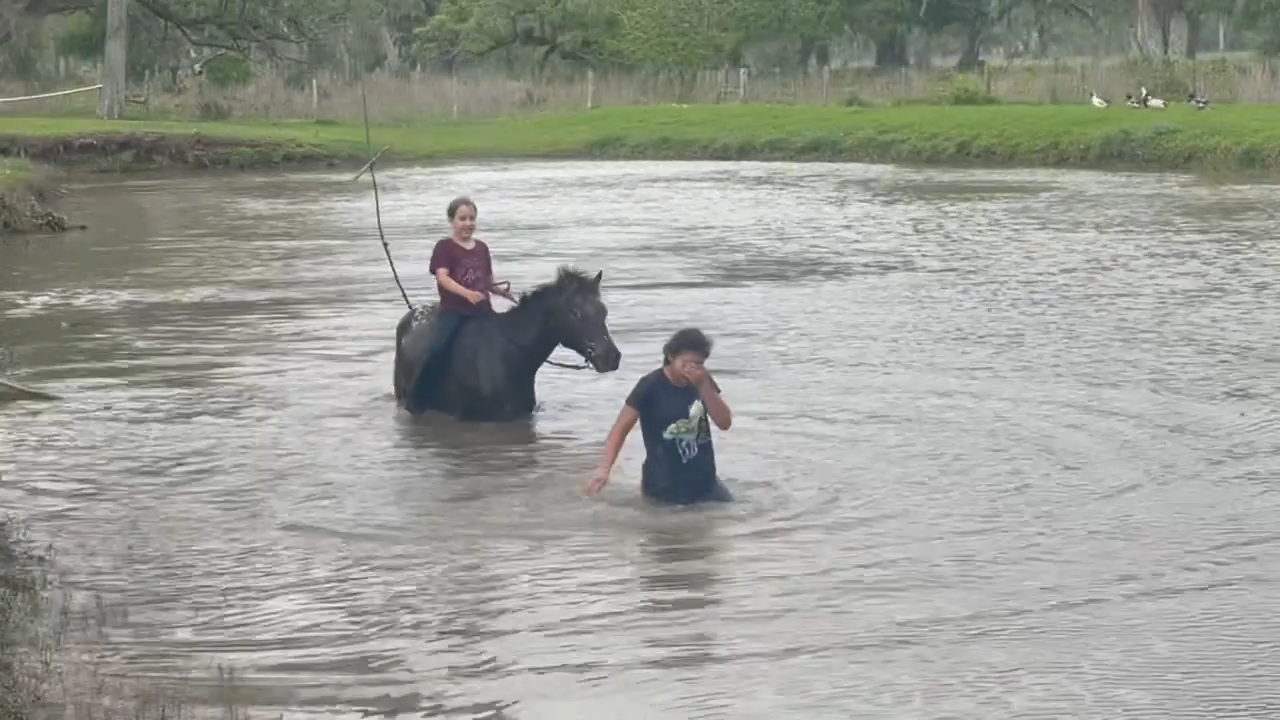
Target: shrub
{"x": 963, "y": 90}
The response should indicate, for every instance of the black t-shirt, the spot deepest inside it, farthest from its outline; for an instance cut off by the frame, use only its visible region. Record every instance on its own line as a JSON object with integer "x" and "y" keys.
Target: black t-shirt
{"x": 680, "y": 461}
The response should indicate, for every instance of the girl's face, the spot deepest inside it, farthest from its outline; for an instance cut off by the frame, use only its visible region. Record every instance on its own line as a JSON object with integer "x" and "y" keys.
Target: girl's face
{"x": 689, "y": 364}
{"x": 464, "y": 222}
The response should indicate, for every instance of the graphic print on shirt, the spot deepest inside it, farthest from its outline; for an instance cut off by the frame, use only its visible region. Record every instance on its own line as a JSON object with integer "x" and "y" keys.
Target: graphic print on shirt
{"x": 688, "y": 432}
{"x": 469, "y": 271}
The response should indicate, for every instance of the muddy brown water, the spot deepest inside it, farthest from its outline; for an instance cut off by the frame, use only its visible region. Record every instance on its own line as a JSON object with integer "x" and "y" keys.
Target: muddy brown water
{"x": 1006, "y": 446}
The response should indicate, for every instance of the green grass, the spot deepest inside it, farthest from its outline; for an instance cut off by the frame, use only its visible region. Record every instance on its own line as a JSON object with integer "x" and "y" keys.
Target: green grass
{"x": 1243, "y": 137}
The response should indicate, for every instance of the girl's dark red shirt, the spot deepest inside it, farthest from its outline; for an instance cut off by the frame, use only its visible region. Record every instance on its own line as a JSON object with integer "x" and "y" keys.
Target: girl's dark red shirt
{"x": 471, "y": 268}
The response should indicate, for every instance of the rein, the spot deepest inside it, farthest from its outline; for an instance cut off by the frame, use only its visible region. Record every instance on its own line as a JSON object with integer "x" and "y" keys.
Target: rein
{"x": 386, "y": 246}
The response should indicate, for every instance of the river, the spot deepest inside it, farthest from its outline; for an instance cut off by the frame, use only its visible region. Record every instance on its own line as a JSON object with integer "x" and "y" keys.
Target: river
{"x": 1006, "y": 444}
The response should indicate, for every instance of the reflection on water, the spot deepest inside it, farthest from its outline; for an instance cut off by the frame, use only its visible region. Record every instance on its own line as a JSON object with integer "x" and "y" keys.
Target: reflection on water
{"x": 1004, "y": 444}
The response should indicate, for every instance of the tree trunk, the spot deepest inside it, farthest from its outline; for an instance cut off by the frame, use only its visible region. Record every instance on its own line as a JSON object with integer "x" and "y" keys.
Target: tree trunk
{"x": 114, "y": 61}
{"x": 971, "y": 58}
{"x": 687, "y": 85}
{"x": 921, "y": 49}
{"x": 891, "y": 50}
{"x": 805, "y": 54}
{"x": 1042, "y": 41}
{"x": 822, "y": 53}
{"x": 1194, "y": 25}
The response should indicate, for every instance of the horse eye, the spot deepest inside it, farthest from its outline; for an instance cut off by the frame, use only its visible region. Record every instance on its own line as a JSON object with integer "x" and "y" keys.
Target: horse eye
{"x": 577, "y": 314}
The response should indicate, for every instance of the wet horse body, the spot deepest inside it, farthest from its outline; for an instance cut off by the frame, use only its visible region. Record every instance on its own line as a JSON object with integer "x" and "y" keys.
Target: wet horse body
{"x": 487, "y": 372}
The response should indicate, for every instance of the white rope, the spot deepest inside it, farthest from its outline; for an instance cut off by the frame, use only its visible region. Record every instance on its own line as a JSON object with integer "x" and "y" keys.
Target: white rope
{"x": 60, "y": 93}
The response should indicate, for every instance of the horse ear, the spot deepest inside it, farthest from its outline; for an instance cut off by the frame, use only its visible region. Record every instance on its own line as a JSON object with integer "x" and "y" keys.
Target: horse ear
{"x": 596, "y": 280}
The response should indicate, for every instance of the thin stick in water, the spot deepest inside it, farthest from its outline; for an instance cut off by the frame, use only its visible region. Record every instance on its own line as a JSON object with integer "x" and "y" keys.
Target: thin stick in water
{"x": 369, "y": 164}
{"x": 377, "y": 202}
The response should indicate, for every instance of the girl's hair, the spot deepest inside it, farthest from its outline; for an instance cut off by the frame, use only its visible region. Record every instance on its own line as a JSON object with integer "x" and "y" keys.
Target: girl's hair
{"x": 687, "y": 340}
{"x": 458, "y": 203}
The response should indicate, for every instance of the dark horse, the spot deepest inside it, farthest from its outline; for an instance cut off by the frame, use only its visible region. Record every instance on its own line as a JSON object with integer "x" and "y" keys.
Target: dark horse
{"x": 486, "y": 372}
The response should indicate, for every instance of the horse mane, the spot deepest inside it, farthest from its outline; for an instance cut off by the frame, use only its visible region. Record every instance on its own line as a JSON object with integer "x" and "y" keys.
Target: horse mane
{"x": 568, "y": 281}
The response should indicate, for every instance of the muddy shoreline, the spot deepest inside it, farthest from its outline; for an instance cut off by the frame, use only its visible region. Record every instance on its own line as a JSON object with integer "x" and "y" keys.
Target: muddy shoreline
{"x": 28, "y": 207}
{"x": 141, "y": 151}
{"x": 25, "y": 207}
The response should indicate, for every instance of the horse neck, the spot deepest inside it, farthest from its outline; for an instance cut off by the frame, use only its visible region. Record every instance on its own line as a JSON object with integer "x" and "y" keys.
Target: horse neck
{"x": 528, "y": 326}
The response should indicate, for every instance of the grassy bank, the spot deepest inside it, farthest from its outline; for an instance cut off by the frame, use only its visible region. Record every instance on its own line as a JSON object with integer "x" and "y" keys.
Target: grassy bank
{"x": 1237, "y": 137}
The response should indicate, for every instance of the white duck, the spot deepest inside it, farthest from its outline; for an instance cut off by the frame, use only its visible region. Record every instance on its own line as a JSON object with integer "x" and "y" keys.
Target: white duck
{"x": 1199, "y": 102}
{"x": 1151, "y": 102}
{"x": 1132, "y": 101}
{"x": 1097, "y": 101}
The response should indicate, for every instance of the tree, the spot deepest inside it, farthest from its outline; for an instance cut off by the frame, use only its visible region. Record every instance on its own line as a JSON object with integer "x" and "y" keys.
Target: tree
{"x": 814, "y": 23}
{"x": 241, "y": 26}
{"x": 574, "y": 30}
{"x": 674, "y": 34}
{"x": 1265, "y": 16}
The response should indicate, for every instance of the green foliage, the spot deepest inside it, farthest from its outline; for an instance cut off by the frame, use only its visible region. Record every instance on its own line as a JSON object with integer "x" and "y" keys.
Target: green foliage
{"x": 574, "y": 30}
{"x": 1264, "y": 16}
{"x": 352, "y": 36}
{"x": 1164, "y": 78}
{"x": 672, "y": 34}
{"x": 23, "y": 56}
{"x": 228, "y": 71}
{"x": 853, "y": 99}
{"x": 83, "y": 38}
{"x": 245, "y": 26}
{"x": 816, "y": 19}
{"x": 963, "y": 89}
{"x": 152, "y": 44}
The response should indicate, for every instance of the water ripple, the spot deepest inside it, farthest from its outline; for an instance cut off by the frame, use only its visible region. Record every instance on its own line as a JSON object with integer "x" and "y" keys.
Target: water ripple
{"x": 1000, "y": 452}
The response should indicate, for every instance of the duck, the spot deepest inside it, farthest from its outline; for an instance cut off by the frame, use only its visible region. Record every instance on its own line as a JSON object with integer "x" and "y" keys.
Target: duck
{"x": 1132, "y": 101}
{"x": 1152, "y": 102}
{"x": 1199, "y": 102}
{"x": 1097, "y": 101}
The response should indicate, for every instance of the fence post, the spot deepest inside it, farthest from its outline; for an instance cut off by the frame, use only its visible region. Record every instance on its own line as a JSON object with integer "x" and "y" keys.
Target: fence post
{"x": 591, "y": 88}
{"x": 743, "y": 76}
{"x": 826, "y": 83}
{"x": 315, "y": 99}
{"x": 453, "y": 91}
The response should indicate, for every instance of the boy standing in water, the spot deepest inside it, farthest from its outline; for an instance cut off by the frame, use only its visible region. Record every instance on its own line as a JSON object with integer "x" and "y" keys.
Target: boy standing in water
{"x": 675, "y": 406}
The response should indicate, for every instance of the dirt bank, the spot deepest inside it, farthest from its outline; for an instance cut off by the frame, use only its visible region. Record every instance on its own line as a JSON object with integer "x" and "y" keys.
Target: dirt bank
{"x": 128, "y": 151}
{"x": 24, "y": 199}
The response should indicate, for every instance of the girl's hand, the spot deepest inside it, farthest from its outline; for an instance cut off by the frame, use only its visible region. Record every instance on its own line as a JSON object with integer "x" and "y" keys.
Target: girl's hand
{"x": 599, "y": 479}
{"x": 475, "y": 296}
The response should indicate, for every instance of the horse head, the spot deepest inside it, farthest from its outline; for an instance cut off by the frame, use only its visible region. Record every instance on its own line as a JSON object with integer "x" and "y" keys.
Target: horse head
{"x": 576, "y": 317}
